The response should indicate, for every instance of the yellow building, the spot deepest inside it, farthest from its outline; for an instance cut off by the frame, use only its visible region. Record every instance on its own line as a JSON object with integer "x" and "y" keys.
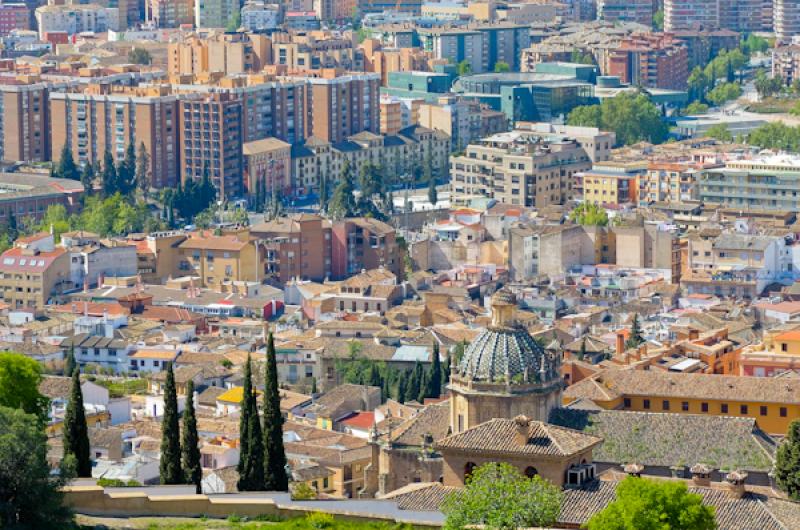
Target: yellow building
{"x": 778, "y": 353}
{"x": 218, "y": 259}
{"x": 32, "y": 272}
{"x": 609, "y": 186}
{"x": 772, "y": 402}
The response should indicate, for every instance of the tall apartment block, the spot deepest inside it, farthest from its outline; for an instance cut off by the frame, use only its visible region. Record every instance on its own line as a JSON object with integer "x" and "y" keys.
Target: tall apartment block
{"x": 104, "y": 117}
{"x": 640, "y": 11}
{"x": 736, "y": 15}
{"x": 24, "y": 122}
{"x": 229, "y": 53}
{"x": 342, "y": 104}
{"x": 211, "y": 140}
{"x": 787, "y": 19}
{"x": 655, "y": 60}
{"x": 169, "y": 13}
{"x": 14, "y": 16}
{"x": 215, "y": 13}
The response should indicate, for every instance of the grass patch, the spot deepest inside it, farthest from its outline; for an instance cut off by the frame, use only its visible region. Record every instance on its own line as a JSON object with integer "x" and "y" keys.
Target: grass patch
{"x": 772, "y": 106}
{"x": 123, "y": 387}
{"x": 313, "y": 521}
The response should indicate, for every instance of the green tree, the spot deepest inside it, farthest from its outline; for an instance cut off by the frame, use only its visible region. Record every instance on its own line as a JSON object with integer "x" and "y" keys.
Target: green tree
{"x": 767, "y": 86}
{"x": 190, "y": 450}
{"x": 433, "y": 195}
{"x": 76, "y": 432}
{"x": 235, "y": 22}
{"x": 582, "y": 350}
{"x": 695, "y": 107}
{"x": 649, "y": 504}
{"x": 498, "y": 496}
{"x": 126, "y": 171}
{"x": 658, "y": 20}
{"x": 724, "y": 92}
{"x": 501, "y": 67}
{"x": 143, "y": 170}
{"x": 342, "y": 204}
{"x": 88, "y": 174}
{"x": 434, "y": 380}
{"x": 323, "y": 192}
{"x": 275, "y": 477}
{"x": 787, "y": 462}
{"x": 586, "y": 116}
{"x": 56, "y": 219}
{"x": 67, "y": 169}
{"x": 776, "y": 135}
{"x": 19, "y": 384}
{"x": 69, "y": 362}
{"x": 110, "y": 182}
{"x": 30, "y": 495}
{"x": 414, "y": 383}
{"x": 720, "y": 132}
{"x": 170, "y": 463}
{"x": 698, "y": 84}
{"x": 636, "y": 337}
{"x": 140, "y": 56}
{"x": 251, "y": 442}
{"x": 464, "y": 68}
{"x": 589, "y": 214}
{"x": 632, "y": 117}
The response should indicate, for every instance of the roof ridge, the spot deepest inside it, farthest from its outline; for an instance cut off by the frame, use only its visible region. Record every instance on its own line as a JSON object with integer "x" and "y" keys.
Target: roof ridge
{"x": 546, "y": 428}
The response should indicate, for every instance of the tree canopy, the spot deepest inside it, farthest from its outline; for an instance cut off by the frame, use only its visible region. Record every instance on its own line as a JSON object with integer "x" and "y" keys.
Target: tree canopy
{"x": 644, "y": 504}
{"x": 19, "y": 384}
{"x": 30, "y": 496}
{"x": 498, "y": 496}
{"x": 721, "y": 132}
{"x": 140, "y": 56}
{"x": 589, "y": 214}
{"x": 787, "y": 462}
{"x": 633, "y": 117}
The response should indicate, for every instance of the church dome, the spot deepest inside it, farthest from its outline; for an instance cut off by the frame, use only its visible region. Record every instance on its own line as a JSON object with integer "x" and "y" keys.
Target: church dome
{"x": 507, "y": 352}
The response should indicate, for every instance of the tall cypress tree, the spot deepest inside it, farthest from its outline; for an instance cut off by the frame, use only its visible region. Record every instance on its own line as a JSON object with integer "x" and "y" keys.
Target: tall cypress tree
{"x": 435, "y": 378}
{"x": 69, "y": 362}
{"x": 412, "y": 388}
{"x": 190, "y": 450}
{"x": 274, "y": 455}
{"x": 787, "y": 462}
{"x": 170, "y": 464}
{"x": 76, "y": 433}
{"x": 251, "y": 445}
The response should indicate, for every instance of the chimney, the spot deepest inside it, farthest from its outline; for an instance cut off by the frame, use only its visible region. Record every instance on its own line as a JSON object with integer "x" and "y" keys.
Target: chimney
{"x": 620, "y": 342}
{"x": 633, "y": 469}
{"x": 521, "y": 430}
{"x": 735, "y": 481}
{"x": 701, "y": 475}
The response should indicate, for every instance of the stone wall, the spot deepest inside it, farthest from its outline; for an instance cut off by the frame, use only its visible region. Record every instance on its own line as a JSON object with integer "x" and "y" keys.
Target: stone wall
{"x": 94, "y": 500}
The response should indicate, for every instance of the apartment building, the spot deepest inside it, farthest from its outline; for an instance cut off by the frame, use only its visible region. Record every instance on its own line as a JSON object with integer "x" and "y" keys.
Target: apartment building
{"x": 295, "y": 247}
{"x": 650, "y": 60}
{"x": 225, "y": 53}
{"x": 518, "y": 168}
{"x": 93, "y": 259}
{"x": 778, "y": 353}
{"x": 609, "y": 186}
{"x": 668, "y": 182}
{"x": 75, "y": 18}
{"x": 786, "y": 19}
{"x": 268, "y": 168}
{"x": 32, "y": 272}
{"x": 14, "y": 16}
{"x": 260, "y": 15}
{"x": 361, "y": 244}
{"x": 218, "y": 260}
{"x": 639, "y": 11}
{"x": 691, "y": 14}
{"x": 382, "y": 6}
{"x": 383, "y": 61}
{"x": 464, "y": 121}
{"x": 157, "y": 255}
{"x": 597, "y": 144}
{"x": 271, "y": 107}
{"x": 737, "y": 15}
{"x": 106, "y": 117}
{"x": 335, "y": 10}
{"x": 314, "y": 50}
{"x": 482, "y": 46}
{"x": 396, "y": 154}
{"x": 211, "y": 140}
{"x": 765, "y": 183}
{"x": 169, "y": 13}
{"x": 24, "y": 121}
{"x": 786, "y": 63}
{"x": 343, "y": 104}
{"x": 215, "y": 13}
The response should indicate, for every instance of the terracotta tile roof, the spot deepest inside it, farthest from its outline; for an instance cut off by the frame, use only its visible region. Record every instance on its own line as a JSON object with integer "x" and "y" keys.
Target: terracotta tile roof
{"x": 670, "y": 439}
{"x": 360, "y": 420}
{"x": 433, "y": 420}
{"x": 421, "y": 496}
{"x": 611, "y": 384}
{"x": 211, "y": 242}
{"x": 500, "y": 436}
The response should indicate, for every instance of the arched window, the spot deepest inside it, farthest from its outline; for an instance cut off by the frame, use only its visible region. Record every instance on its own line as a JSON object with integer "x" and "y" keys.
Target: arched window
{"x": 531, "y": 472}
{"x": 469, "y": 467}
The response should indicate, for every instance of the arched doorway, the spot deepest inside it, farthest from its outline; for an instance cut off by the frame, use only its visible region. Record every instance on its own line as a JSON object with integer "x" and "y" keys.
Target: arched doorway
{"x": 469, "y": 467}
{"x": 531, "y": 472}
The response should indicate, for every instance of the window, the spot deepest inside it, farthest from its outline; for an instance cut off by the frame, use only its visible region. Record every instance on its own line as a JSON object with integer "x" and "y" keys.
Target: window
{"x": 723, "y": 408}
{"x": 763, "y": 410}
{"x": 626, "y": 403}
{"x": 468, "y": 468}
{"x": 531, "y": 472}
{"x": 685, "y": 406}
{"x": 743, "y": 409}
{"x": 783, "y": 412}
{"x": 704, "y": 407}
{"x": 665, "y": 405}
{"x": 647, "y": 404}
{"x": 784, "y": 347}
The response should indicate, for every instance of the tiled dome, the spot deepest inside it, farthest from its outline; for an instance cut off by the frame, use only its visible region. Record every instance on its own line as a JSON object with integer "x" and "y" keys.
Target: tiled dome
{"x": 508, "y": 354}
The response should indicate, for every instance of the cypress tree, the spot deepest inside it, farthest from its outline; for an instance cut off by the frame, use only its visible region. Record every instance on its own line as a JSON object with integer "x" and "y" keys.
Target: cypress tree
{"x": 787, "y": 462}
{"x": 251, "y": 464}
{"x": 190, "y": 450}
{"x": 401, "y": 388}
{"x": 110, "y": 182}
{"x": 636, "y": 333}
{"x": 67, "y": 169}
{"x": 434, "y": 389}
{"x": 76, "y": 433}
{"x": 69, "y": 362}
{"x": 170, "y": 464}
{"x": 412, "y": 389}
{"x": 274, "y": 455}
